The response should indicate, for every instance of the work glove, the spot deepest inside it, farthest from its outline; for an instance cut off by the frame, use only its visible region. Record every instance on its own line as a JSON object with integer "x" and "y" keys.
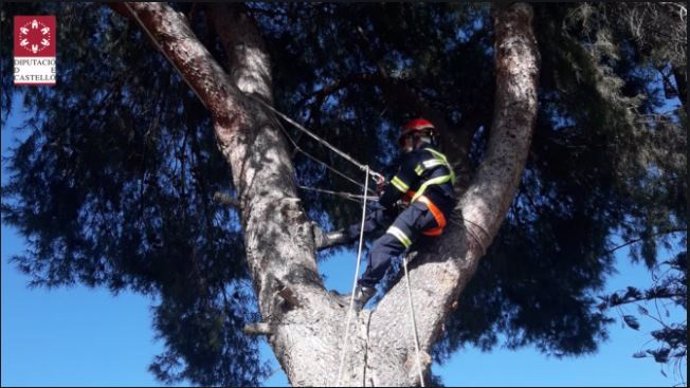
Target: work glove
{"x": 380, "y": 185}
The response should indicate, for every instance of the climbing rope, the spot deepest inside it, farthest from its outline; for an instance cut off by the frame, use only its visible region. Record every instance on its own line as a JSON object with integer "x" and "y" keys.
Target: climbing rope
{"x": 354, "y": 283}
{"x": 342, "y": 194}
{"x": 286, "y": 118}
{"x": 364, "y": 197}
{"x": 414, "y": 322}
{"x": 317, "y": 160}
{"x": 318, "y": 139}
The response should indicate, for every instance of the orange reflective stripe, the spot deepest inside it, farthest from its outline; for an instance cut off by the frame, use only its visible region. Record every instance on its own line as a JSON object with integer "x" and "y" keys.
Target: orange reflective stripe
{"x": 438, "y": 216}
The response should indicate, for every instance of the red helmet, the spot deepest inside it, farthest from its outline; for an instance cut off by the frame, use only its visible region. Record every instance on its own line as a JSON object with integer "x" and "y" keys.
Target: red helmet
{"x": 416, "y": 125}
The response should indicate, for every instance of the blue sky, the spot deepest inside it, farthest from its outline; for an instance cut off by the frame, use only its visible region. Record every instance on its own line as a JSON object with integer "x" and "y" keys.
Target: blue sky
{"x": 87, "y": 337}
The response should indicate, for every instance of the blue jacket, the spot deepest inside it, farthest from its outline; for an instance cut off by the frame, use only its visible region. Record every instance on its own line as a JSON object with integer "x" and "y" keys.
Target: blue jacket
{"x": 423, "y": 171}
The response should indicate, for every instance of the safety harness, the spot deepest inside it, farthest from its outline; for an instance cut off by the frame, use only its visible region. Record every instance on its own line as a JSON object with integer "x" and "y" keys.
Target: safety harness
{"x": 426, "y": 166}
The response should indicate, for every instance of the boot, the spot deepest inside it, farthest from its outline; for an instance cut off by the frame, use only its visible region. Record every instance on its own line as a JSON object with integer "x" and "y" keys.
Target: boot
{"x": 337, "y": 237}
{"x": 362, "y": 296}
{"x": 324, "y": 240}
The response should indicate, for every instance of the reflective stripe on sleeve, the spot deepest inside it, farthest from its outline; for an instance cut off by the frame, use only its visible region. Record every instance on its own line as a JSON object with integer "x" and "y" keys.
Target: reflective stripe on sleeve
{"x": 399, "y": 184}
{"x": 400, "y": 235}
{"x": 440, "y": 156}
{"x": 433, "y": 163}
{"x": 434, "y": 181}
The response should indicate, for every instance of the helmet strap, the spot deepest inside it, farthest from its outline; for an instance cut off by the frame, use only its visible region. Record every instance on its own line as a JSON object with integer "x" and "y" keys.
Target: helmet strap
{"x": 420, "y": 139}
{"x": 433, "y": 140}
{"x": 424, "y": 139}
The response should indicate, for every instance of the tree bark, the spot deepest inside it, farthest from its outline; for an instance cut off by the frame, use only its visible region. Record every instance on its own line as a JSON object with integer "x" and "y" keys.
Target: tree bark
{"x": 441, "y": 273}
{"x": 304, "y": 324}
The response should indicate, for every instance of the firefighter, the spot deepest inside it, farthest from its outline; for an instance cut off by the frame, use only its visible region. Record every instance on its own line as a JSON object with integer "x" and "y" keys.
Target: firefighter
{"x": 423, "y": 187}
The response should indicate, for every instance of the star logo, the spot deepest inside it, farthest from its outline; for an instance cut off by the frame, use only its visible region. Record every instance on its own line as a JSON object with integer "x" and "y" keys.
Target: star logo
{"x": 34, "y": 36}
{"x": 35, "y": 51}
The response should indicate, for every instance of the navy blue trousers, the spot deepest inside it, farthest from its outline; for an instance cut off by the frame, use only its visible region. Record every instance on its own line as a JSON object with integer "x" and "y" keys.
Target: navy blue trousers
{"x": 405, "y": 231}
{"x": 377, "y": 219}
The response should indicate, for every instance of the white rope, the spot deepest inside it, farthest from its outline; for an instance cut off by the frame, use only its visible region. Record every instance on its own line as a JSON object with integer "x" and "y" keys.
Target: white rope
{"x": 286, "y": 118}
{"x": 332, "y": 169}
{"x": 317, "y": 160}
{"x": 342, "y": 194}
{"x": 354, "y": 283}
{"x": 320, "y": 140}
{"x": 343, "y": 155}
{"x": 414, "y": 322}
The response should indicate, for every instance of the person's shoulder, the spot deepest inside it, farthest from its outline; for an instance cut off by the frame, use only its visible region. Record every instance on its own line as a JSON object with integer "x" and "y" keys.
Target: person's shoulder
{"x": 433, "y": 152}
{"x": 427, "y": 153}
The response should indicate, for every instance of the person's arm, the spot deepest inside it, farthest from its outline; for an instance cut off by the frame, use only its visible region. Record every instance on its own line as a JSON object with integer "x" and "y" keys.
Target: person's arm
{"x": 401, "y": 182}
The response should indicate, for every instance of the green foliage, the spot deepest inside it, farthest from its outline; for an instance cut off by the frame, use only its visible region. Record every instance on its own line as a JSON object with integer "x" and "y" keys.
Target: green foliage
{"x": 113, "y": 187}
{"x": 670, "y": 286}
{"x": 114, "y": 184}
{"x": 604, "y": 163}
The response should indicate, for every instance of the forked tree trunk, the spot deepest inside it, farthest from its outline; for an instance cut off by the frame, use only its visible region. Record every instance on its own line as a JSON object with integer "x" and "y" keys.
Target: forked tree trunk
{"x": 304, "y": 324}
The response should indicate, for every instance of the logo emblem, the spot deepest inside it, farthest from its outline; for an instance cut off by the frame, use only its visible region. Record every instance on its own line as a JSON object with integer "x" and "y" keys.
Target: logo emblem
{"x": 34, "y": 36}
{"x": 34, "y": 50}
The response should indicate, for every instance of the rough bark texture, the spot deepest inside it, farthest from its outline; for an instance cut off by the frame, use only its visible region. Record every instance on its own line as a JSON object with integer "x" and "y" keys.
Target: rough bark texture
{"x": 305, "y": 323}
{"x": 438, "y": 276}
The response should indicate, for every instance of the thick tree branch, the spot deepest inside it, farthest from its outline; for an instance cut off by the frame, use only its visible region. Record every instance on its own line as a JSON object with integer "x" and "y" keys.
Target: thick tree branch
{"x": 517, "y": 67}
{"x": 306, "y": 324}
{"x": 196, "y": 65}
{"x": 480, "y": 212}
{"x": 248, "y": 61}
{"x": 277, "y": 235}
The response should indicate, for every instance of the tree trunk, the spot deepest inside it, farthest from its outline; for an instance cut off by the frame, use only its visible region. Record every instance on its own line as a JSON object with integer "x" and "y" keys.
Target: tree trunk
{"x": 304, "y": 324}
{"x": 441, "y": 273}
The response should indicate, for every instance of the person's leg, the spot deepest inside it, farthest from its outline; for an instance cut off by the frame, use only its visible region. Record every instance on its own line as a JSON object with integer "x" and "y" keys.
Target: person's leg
{"x": 405, "y": 231}
{"x": 393, "y": 243}
{"x": 375, "y": 221}
{"x": 385, "y": 248}
{"x": 399, "y": 237}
